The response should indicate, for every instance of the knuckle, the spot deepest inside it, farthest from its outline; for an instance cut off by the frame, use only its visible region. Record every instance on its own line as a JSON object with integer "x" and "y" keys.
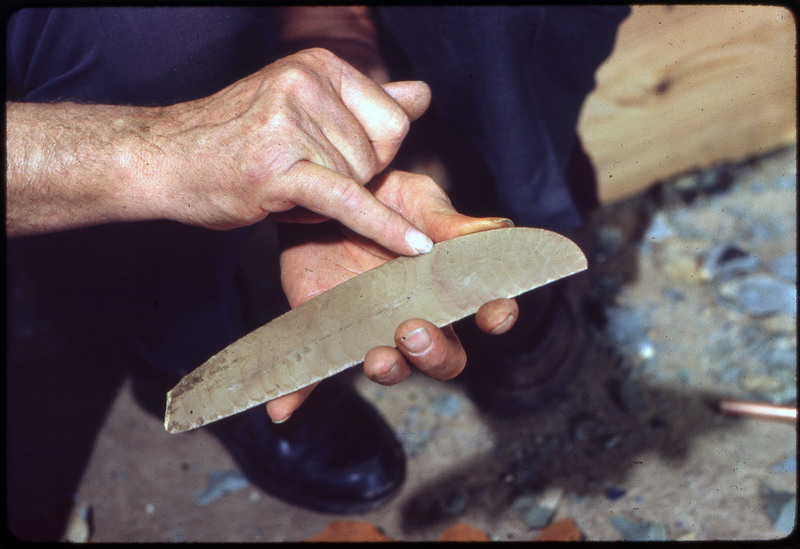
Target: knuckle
{"x": 428, "y": 185}
{"x": 397, "y": 124}
{"x": 295, "y": 75}
{"x": 349, "y": 195}
{"x": 316, "y": 53}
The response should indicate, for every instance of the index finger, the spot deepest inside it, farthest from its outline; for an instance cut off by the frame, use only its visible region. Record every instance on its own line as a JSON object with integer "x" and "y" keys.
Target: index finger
{"x": 338, "y": 197}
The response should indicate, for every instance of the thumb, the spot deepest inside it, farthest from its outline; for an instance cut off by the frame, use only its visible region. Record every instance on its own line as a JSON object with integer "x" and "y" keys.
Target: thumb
{"x": 413, "y": 96}
{"x": 447, "y": 225}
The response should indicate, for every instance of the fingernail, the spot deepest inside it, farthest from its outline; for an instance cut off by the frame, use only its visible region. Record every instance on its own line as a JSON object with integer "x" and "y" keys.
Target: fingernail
{"x": 388, "y": 376}
{"x": 501, "y": 328}
{"x": 416, "y": 342}
{"x": 418, "y": 241}
{"x": 280, "y": 419}
{"x": 504, "y": 221}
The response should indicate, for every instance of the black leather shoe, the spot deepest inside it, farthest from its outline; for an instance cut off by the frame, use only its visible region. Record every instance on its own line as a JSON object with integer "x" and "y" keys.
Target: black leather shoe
{"x": 334, "y": 455}
{"x": 531, "y": 365}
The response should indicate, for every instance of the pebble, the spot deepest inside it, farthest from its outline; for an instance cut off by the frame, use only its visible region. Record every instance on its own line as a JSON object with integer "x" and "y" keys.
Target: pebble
{"x": 759, "y": 384}
{"x": 627, "y": 327}
{"x": 609, "y": 241}
{"x": 412, "y": 435}
{"x": 536, "y": 511}
{"x": 788, "y": 465}
{"x": 725, "y": 260}
{"x": 79, "y": 526}
{"x": 633, "y": 530}
{"x": 456, "y": 504}
{"x": 779, "y": 506}
{"x": 613, "y": 493}
{"x": 219, "y": 484}
{"x": 659, "y": 229}
{"x": 761, "y": 295}
{"x": 446, "y": 405}
{"x": 781, "y": 324}
{"x": 785, "y": 267}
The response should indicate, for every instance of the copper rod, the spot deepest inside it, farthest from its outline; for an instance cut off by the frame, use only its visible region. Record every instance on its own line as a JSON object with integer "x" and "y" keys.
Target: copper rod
{"x": 760, "y": 410}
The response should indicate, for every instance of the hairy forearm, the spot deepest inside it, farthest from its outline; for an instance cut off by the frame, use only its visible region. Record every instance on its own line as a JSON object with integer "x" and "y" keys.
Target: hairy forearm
{"x": 71, "y": 165}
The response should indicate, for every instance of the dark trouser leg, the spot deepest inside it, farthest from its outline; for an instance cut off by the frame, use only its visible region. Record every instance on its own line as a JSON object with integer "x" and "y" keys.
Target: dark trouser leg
{"x": 159, "y": 299}
{"x": 508, "y": 84}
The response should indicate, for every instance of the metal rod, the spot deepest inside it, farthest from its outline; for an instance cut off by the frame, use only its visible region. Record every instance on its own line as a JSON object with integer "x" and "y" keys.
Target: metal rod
{"x": 761, "y": 410}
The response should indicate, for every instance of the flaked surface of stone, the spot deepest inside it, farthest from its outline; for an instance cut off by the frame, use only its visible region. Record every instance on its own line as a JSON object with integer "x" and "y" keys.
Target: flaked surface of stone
{"x": 334, "y": 330}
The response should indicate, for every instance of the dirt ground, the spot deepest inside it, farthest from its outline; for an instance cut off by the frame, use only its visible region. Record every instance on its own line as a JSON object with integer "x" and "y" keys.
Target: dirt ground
{"x": 635, "y": 450}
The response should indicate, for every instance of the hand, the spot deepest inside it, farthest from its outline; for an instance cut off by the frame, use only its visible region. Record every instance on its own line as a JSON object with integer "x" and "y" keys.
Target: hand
{"x": 308, "y": 130}
{"x": 312, "y": 265}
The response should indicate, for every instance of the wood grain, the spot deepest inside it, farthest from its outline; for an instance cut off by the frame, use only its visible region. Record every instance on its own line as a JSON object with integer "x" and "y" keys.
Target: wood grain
{"x": 687, "y": 87}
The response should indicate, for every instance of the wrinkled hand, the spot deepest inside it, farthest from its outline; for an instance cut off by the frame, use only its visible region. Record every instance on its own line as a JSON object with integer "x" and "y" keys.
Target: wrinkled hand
{"x": 312, "y": 265}
{"x": 308, "y": 130}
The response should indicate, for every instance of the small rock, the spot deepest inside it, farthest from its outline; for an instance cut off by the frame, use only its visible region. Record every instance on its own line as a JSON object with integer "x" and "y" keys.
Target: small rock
{"x": 627, "y": 326}
{"x": 632, "y": 530}
{"x": 725, "y": 260}
{"x": 659, "y": 228}
{"x": 463, "y": 532}
{"x": 759, "y": 384}
{"x": 789, "y": 182}
{"x": 79, "y": 526}
{"x": 612, "y": 442}
{"x": 560, "y": 530}
{"x": 786, "y": 518}
{"x": 779, "y": 324}
{"x": 682, "y": 268}
{"x": 673, "y": 294}
{"x": 785, "y": 267}
{"x": 788, "y": 465}
{"x": 761, "y": 295}
{"x": 456, "y": 504}
{"x": 219, "y": 484}
{"x": 613, "y": 493}
{"x": 446, "y": 405}
{"x": 609, "y": 241}
{"x": 780, "y": 507}
{"x": 781, "y": 356}
{"x": 348, "y": 531}
{"x": 536, "y": 511}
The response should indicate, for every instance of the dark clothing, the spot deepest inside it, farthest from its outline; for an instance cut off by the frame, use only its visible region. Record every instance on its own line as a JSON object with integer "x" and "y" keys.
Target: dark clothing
{"x": 507, "y": 84}
{"x": 507, "y": 81}
{"x": 134, "y": 56}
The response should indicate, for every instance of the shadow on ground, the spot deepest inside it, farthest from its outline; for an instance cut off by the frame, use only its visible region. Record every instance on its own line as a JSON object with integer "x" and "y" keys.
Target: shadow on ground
{"x": 594, "y": 437}
{"x": 58, "y": 395}
{"x": 590, "y": 440}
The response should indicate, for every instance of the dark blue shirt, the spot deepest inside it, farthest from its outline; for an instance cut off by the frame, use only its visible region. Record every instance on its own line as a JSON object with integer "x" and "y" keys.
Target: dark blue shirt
{"x": 151, "y": 56}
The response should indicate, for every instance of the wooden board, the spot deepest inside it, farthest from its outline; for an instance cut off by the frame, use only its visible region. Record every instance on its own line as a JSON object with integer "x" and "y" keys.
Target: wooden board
{"x": 687, "y": 87}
